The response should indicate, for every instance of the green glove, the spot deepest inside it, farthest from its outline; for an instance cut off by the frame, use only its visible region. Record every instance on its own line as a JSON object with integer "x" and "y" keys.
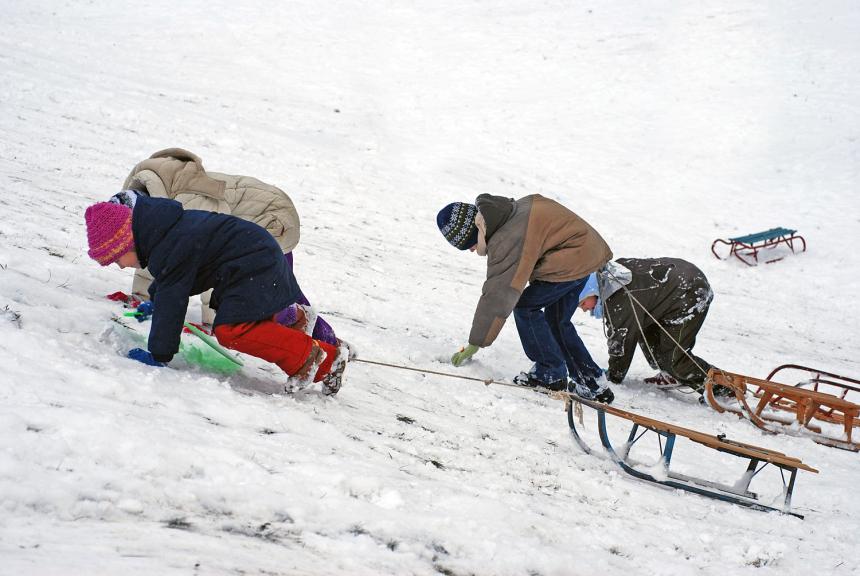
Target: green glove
{"x": 464, "y": 354}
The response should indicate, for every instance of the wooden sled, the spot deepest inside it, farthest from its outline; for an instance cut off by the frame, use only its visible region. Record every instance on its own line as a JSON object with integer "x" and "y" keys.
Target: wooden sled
{"x": 819, "y": 381}
{"x": 747, "y": 246}
{"x": 757, "y": 458}
{"x": 804, "y": 403}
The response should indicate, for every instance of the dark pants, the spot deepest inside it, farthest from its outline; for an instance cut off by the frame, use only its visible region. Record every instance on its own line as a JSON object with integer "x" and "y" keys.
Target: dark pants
{"x": 673, "y": 360}
{"x": 547, "y": 334}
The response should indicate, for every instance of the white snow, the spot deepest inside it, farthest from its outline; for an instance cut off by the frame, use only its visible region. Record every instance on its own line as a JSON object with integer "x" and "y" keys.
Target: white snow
{"x": 664, "y": 124}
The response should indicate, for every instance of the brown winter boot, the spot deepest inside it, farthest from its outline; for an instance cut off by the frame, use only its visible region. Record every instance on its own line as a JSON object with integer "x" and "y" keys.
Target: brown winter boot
{"x": 305, "y": 374}
{"x": 333, "y": 381}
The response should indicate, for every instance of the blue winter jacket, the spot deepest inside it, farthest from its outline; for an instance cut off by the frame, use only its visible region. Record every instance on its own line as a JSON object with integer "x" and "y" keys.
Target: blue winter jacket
{"x": 191, "y": 251}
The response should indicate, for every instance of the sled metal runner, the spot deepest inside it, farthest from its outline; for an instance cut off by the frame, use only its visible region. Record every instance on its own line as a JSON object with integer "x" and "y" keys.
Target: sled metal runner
{"x": 804, "y": 404}
{"x": 757, "y": 458}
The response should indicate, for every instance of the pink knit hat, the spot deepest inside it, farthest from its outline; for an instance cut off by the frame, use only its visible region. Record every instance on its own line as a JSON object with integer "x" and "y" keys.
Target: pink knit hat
{"x": 108, "y": 231}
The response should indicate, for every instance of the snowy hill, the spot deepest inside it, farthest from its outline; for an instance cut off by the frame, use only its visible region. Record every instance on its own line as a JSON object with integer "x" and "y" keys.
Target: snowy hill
{"x": 665, "y": 125}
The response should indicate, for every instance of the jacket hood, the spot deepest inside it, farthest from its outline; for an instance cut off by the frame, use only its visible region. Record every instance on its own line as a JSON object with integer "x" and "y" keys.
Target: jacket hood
{"x": 179, "y": 154}
{"x": 151, "y": 220}
{"x": 496, "y": 210}
{"x": 611, "y": 278}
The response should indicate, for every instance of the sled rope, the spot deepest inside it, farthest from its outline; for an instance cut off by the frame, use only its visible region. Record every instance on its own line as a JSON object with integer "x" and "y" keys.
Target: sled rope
{"x": 554, "y": 394}
{"x": 657, "y": 322}
{"x": 648, "y": 346}
{"x": 562, "y": 394}
{"x": 212, "y": 343}
{"x": 485, "y": 381}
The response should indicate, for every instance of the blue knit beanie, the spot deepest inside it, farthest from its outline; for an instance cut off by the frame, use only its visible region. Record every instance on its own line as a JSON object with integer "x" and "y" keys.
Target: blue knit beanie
{"x": 456, "y": 221}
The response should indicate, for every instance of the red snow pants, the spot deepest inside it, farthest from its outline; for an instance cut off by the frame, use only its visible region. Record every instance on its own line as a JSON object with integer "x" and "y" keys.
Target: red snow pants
{"x": 266, "y": 339}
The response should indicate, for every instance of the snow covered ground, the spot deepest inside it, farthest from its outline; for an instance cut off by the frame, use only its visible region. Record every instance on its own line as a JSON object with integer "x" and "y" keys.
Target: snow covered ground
{"x": 664, "y": 124}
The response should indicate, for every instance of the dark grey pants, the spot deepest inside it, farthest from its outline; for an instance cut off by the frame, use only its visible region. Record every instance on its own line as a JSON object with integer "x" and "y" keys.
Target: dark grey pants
{"x": 680, "y": 363}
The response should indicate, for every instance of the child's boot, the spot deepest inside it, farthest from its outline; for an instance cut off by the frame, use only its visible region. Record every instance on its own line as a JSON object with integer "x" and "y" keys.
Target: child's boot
{"x": 333, "y": 381}
{"x": 351, "y": 350}
{"x": 305, "y": 374}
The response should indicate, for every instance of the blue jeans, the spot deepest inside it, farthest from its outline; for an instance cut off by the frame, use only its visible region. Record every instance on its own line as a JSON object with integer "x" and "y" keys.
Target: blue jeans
{"x": 547, "y": 334}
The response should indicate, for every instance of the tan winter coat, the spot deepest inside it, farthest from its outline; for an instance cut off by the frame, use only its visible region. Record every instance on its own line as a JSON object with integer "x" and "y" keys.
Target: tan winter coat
{"x": 179, "y": 174}
{"x": 539, "y": 240}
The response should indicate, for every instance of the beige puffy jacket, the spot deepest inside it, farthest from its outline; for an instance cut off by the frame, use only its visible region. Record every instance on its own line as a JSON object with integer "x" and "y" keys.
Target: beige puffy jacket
{"x": 179, "y": 174}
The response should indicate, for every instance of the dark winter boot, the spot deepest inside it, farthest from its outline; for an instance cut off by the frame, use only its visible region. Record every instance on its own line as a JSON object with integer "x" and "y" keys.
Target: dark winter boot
{"x": 531, "y": 381}
{"x": 720, "y": 391}
{"x": 607, "y": 396}
{"x": 589, "y": 389}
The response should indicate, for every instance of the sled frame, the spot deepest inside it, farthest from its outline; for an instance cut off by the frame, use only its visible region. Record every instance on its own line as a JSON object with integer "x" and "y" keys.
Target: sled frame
{"x": 819, "y": 379}
{"x": 757, "y": 458}
{"x": 746, "y": 248}
{"x": 803, "y": 403}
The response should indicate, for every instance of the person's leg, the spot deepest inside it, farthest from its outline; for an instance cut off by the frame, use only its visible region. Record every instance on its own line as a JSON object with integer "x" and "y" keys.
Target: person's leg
{"x": 652, "y": 340}
{"x": 535, "y": 335}
{"x": 302, "y": 299}
{"x": 681, "y": 363}
{"x": 657, "y": 349}
{"x": 322, "y": 330}
{"x": 581, "y": 366}
{"x": 289, "y": 349}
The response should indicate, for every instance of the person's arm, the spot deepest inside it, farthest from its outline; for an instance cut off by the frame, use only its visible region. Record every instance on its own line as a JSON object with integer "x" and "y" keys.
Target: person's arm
{"x": 509, "y": 267}
{"x": 170, "y": 302}
{"x": 622, "y": 333}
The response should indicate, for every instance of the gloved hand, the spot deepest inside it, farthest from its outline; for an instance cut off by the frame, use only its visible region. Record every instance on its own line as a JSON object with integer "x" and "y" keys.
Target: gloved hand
{"x": 144, "y": 356}
{"x": 464, "y": 354}
{"x": 144, "y": 311}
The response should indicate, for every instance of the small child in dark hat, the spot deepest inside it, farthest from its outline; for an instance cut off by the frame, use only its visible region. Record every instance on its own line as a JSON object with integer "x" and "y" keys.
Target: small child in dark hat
{"x": 540, "y": 255}
{"x": 191, "y": 251}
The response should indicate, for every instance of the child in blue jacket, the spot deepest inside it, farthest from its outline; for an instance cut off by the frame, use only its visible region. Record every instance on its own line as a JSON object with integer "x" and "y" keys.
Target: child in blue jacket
{"x": 191, "y": 251}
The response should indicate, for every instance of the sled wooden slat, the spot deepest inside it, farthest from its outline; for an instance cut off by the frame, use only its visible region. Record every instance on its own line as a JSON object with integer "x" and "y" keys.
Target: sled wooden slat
{"x": 820, "y": 381}
{"x": 805, "y": 404}
{"x": 710, "y": 440}
{"x": 738, "y": 493}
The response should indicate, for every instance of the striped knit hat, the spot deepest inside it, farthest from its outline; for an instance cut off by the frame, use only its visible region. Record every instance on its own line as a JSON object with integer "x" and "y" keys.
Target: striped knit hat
{"x": 456, "y": 221}
{"x": 108, "y": 232}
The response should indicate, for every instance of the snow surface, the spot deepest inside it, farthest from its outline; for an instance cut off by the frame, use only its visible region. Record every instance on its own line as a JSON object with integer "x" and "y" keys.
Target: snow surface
{"x": 664, "y": 124}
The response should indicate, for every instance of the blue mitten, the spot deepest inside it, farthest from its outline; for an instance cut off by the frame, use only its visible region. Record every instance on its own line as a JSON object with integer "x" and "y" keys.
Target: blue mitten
{"x": 144, "y": 311}
{"x": 144, "y": 356}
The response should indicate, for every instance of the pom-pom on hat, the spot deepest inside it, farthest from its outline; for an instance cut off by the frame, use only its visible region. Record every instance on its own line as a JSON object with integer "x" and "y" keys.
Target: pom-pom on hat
{"x": 108, "y": 232}
{"x": 456, "y": 221}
